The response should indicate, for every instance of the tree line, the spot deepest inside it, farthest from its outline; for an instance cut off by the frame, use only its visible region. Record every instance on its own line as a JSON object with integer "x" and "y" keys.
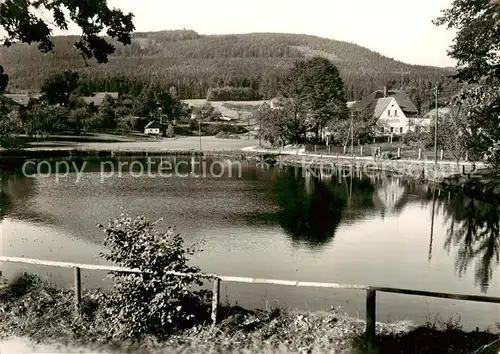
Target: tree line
{"x": 194, "y": 64}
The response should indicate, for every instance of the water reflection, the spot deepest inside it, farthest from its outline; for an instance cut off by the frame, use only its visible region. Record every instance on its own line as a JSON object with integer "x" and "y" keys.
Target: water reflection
{"x": 473, "y": 231}
{"x": 4, "y": 204}
{"x": 308, "y": 207}
{"x": 312, "y": 208}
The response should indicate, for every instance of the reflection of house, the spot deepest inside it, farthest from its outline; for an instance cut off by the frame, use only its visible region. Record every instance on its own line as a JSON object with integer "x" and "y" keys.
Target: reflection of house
{"x": 389, "y": 195}
{"x": 155, "y": 128}
{"x": 393, "y": 110}
{"x": 98, "y": 98}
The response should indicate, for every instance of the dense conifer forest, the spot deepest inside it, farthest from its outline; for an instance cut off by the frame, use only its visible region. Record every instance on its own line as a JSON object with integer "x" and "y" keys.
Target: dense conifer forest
{"x": 196, "y": 63}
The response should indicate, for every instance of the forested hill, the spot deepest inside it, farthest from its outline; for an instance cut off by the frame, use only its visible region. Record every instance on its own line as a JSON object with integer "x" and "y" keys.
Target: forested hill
{"x": 195, "y": 62}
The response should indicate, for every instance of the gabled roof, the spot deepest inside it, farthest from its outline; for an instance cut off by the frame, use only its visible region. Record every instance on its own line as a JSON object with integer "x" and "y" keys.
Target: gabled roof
{"x": 154, "y": 124}
{"x": 401, "y": 98}
{"x": 98, "y": 98}
{"x": 380, "y": 105}
{"x": 21, "y": 99}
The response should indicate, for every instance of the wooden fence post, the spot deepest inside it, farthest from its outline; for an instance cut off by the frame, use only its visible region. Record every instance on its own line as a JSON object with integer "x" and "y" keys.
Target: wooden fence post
{"x": 361, "y": 150}
{"x": 442, "y": 154}
{"x": 315, "y": 148}
{"x": 78, "y": 287}
{"x": 370, "y": 315}
{"x": 345, "y": 147}
{"x": 329, "y": 149}
{"x": 215, "y": 300}
{"x": 420, "y": 154}
{"x": 399, "y": 152}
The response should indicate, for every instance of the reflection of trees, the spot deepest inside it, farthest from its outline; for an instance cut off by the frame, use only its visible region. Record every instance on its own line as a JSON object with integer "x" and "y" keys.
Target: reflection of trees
{"x": 4, "y": 204}
{"x": 15, "y": 193}
{"x": 473, "y": 228}
{"x": 312, "y": 214}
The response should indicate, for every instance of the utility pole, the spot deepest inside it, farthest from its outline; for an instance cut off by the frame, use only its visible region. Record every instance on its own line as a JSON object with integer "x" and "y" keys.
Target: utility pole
{"x": 260, "y": 124}
{"x": 352, "y": 133}
{"x": 199, "y": 131}
{"x": 436, "y": 93}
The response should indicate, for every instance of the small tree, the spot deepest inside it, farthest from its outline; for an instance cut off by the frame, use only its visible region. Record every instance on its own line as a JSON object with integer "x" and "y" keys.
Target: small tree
{"x": 57, "y": 88}
{"x": 151, "y": 302}
{"x": 78, "y": 119}
{"x": 170, "y": 133}
{"x": 108, "y": 113}
{"x": 479, "y": 122}
{"x": 10, "y": 127}
{"x": 450, "y": 134}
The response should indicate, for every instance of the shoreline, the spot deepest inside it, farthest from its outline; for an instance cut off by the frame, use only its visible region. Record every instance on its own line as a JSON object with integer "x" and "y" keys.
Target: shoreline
{"x": 447, "y": 174}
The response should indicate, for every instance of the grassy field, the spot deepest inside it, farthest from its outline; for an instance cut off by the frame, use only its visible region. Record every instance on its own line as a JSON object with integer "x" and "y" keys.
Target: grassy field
{"x": 208, "y": 143}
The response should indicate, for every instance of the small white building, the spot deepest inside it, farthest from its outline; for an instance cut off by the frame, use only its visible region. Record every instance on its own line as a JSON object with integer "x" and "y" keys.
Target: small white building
{"x": 154, "y": 128}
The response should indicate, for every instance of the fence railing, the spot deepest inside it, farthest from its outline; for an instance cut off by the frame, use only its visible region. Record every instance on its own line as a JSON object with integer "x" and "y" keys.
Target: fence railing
{"x": 217, "y": 279}
{"x": 404, "y": 153}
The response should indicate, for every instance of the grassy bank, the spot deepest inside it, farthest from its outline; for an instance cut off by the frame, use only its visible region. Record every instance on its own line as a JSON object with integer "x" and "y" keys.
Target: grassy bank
{"x": 46, "y": 316}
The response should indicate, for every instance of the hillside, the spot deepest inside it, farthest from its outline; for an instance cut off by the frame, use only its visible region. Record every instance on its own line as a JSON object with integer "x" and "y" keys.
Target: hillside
{"x": 195, "y": 62}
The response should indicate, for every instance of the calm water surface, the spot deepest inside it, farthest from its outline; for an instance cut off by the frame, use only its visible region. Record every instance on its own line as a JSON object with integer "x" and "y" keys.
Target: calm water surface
{"x": 276, "y": 223}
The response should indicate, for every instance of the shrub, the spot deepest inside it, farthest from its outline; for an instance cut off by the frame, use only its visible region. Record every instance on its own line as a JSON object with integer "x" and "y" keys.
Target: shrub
{"x": 421, "y": 140}
{"x": 214, "y": 129}
{"x": 18, "y": 287}
{"x": 226, "y": 135}
{"x": 170, "y": 133}
{"x": 151, "y": 302}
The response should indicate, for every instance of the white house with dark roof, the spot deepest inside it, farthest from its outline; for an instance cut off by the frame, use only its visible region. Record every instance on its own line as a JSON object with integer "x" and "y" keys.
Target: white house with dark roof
{"x": 394, "y": 112}
{"x": 155, "y": 128}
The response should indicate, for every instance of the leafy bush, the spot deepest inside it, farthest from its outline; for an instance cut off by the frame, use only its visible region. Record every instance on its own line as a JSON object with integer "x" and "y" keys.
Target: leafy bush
{"x": 214, "y": 129}
{"x": 151, "y": 302}
{"x": 421, "y": 140}
{"x": 19, "y": 286}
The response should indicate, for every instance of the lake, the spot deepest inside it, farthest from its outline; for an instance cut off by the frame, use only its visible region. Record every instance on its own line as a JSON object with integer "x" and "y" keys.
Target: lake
{"x": 275, "y": 222}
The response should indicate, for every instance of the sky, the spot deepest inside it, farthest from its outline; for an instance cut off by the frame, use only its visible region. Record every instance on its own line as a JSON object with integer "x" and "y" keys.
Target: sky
{"x": 400, "y": 29}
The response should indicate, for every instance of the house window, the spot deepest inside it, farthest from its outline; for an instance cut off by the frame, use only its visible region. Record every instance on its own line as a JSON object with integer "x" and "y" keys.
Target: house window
{"x": 382, "y": 130}
{"x": 389, "y": 113}
{"x": 401, "y": 130}
{"x": 395, "y": 113}
{"x": 392, "y": 129}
